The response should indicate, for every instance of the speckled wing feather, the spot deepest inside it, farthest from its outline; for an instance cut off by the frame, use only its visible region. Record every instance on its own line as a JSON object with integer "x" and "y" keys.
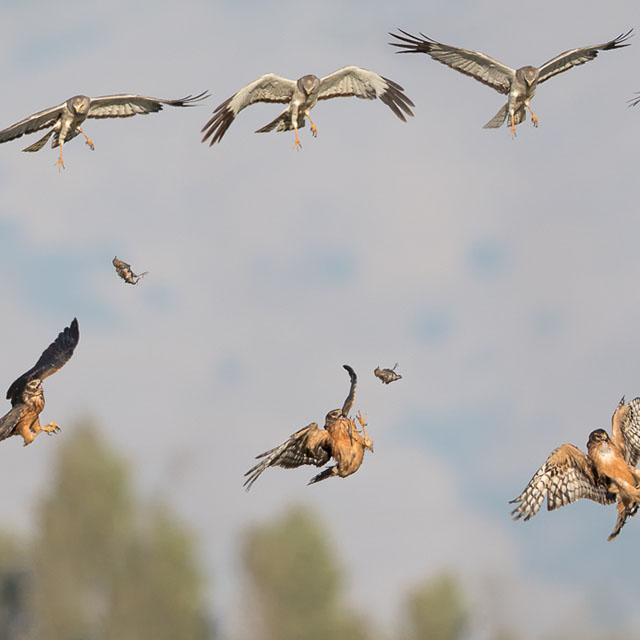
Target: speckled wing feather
{"x": 362, "y": 83}
{"x": 566, "y": 476}
{"x": 626, "y": 434}
{"x": 126, "y": 105}
{"x": 52, "y": 359}
{"x": 308, "y": 445}
{"x": 478, "y": 65}
{"x": 576, "y": 57}
{"x": 267, "y": 88}
{"x": 34, "y": 122}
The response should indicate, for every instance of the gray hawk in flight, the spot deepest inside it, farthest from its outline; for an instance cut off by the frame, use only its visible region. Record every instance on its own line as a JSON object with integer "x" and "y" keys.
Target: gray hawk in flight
{"x": 25, "y": 393}
{"x": 301, "y": 96}
{"x": 606, "y": 474}
{"x": 338, "y": 439}
{"x": 519, "y": 84}
{"x": 124, "y": 271}
{"x": 64, "y": 120}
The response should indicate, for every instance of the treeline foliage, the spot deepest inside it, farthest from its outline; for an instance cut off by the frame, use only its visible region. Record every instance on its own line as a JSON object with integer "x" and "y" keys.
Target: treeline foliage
{"x": 103, "y": 564}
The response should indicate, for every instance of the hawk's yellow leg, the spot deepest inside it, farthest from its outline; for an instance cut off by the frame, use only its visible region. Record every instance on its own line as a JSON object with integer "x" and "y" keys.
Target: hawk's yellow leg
{"x": 314, "y": 129}
{"x": 89, "y": 140}
{"x": 512, "y": 129}
{"x": 60, "y": 163}
{"x": 533, "y": 115}
{"x": 296, "y": 142}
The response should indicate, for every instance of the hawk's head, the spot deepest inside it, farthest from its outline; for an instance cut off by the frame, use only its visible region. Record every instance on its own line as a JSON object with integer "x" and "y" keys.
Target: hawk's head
{"x": 334, "y": 415}
{"x": 79, "y": 104}
{"x": 32, "y": 388}
{"x": 599, "y": 435}
{"x": 529, "y": 75}
{"x": 309, "y": 84}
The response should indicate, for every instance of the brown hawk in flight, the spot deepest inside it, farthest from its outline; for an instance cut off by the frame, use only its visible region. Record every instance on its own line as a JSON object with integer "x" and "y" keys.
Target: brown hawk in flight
{"x": 606, "y": 474}
{"x": 25, "y": 393}
{"x": 338, "y": 439}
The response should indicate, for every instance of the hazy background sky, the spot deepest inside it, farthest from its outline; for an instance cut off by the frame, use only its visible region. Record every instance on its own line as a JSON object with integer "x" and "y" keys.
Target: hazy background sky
{"x": 502, "y": 275}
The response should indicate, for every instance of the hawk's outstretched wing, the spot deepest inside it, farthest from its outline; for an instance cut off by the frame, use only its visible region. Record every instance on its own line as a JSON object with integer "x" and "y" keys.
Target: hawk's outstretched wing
{"x": 348, "y": 403}
{"x": 267, "y": 88}
{"x": 126, "y": 105}
{"x": 309, "y": 445}
{"x": 362, "y": 83}
{"x": 566, "y": 476}
{"x": 9, "y": 421}
{"x": 472, "y": 63}
{"x": 576, "y": 57}
{"x": 625, "y": 432}
{"x": 34, "y": 122}
{"x": 52, "y": 359}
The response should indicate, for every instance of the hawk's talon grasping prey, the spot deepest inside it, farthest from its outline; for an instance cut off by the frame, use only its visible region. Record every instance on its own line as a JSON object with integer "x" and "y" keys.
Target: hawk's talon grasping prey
{"x": 607, "y": 474}
{"x": 64, "y": 120}
{"x": 339, "y": 439}
{"x": 519, "y": 84}
{"x": 301, "y": 96}
{"x": 25, "y": 393}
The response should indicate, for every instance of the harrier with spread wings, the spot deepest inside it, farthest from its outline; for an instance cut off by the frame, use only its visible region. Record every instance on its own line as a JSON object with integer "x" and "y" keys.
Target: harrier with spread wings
{"x": 301, "y": 96}
{"x": 25, "y": 393}
{"x": 606, "y": 474}
{"x": 519, "y": 84}
{"x": 338, "y": 439}
{"x": 64, "y": 120}
{"x": 387, "y": 376}
{"x": 125, "y": 272}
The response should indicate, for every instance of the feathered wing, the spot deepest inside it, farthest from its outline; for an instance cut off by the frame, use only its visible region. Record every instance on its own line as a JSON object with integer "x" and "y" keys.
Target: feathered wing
{"x": 9, "y": 421}
{"x": 267, "y": 88}
{"x": 634, "y": 101}
{"x": 34, "y": 122}
{"x": 625, "y": 432}
{"x": 566, "y": 476}
{"x": 472, "y": 63}
{"x": 53, "y": 358}
{"x": 576, "y": 57}
{"x": 348, "y": 403}
{"x": 309, "y": 445}
{"x": 362, "y": 83}
{"x": 126, "y": 105}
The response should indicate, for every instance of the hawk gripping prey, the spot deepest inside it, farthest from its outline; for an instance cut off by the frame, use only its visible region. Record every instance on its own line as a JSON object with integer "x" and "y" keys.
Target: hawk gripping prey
{"x": 387, "y": 376}
{"x": 66, "y": 118}
{"x": 606, "y": 474}
{"x": 301, "y": 96}
{"x": 519, "y": 84}
{"x": 25, "y": 393}
{"x": 124, "y": 271}
{"x": 338, "y": 439}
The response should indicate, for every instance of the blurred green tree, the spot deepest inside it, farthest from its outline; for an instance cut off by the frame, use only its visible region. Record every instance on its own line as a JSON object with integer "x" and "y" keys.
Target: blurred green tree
{"x": 434, "y": 610}
{"x": 159, "y": 592}
{"x": 101, "y": 569}
{"x": 296, "y": 584}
